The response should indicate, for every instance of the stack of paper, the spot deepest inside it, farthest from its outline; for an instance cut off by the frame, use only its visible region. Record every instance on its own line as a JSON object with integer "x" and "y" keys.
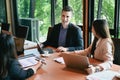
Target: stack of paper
{"x": 103, "y": 75}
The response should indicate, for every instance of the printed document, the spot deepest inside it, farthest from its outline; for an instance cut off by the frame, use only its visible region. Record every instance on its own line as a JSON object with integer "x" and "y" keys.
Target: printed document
{"x": 27, "y": 61}
{"x": 103, "y": 75}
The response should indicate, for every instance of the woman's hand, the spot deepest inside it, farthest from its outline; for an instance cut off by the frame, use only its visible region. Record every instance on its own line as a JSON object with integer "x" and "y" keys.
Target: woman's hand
{"x": 93, "y": 69}
{"x": 38, "y": 65}
{"x": 66, "y": 53}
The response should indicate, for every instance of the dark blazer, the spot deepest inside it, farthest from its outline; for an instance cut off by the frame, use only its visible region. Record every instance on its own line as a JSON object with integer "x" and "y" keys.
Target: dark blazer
{"x": 74, "y": 39}
{"x": 15, "y": 71}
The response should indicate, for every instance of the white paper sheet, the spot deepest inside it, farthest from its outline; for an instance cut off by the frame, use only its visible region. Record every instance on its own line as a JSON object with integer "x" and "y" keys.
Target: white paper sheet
{"x": 29, "y": 44}
{"x": 103, "y": 75}
{"x": 28, "y": 61}
{"x": 32, "y": 51}
{"x": 59, "y": 60}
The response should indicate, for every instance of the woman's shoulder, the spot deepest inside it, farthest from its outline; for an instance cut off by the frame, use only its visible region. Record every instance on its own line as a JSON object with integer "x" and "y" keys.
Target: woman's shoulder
{"x": 13, "y": 62}
{"x": 107, "y": 41}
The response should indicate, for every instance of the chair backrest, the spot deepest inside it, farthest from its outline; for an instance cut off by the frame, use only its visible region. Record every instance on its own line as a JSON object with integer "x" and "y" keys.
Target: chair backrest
{"x": 117, "y": 51}
{"x": 49, "y": 32}
{"x": 5, "y": 26}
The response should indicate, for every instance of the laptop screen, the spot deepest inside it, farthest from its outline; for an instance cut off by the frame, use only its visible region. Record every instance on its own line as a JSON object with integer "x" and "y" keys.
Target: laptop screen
{"x": 19, "y": 44}
{"x": 22, "y": 31}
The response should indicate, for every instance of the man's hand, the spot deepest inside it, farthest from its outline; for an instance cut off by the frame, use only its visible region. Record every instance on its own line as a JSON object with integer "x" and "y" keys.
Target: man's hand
{"x": 61, "y": 49}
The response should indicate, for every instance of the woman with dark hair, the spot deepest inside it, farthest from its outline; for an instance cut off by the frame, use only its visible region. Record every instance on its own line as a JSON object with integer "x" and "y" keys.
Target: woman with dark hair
{"x": 10, "y": 68}
{"x": 102, "y": 47}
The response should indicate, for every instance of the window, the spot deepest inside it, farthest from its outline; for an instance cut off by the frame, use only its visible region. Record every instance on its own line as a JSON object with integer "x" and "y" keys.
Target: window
{"x": 58, "y": 9}
{"x": 77, "y": 6}
{"x": 105, "y": 9}
{"x": 39, "y": 11}
{"x": 119, "y": 26}
{"x": 43, "y": 13}
{"x": 37, "y": 15}
{"x": 3, "y": 17}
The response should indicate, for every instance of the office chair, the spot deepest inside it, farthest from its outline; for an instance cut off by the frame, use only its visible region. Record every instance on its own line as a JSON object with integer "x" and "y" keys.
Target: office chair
{"x": 5, "y": 26}
{"x": 21, "y": 35}
{"x": 49, "y": 32}
{"x": 117, "y": 51}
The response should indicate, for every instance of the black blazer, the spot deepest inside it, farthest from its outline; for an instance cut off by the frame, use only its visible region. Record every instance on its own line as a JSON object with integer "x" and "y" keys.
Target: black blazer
{"x": 15, "y": 72}
{"x": 74, "y": 39}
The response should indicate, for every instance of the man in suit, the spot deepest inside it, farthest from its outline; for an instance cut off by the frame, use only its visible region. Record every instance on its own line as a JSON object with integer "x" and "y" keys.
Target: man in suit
{"x": 65, "y": 36}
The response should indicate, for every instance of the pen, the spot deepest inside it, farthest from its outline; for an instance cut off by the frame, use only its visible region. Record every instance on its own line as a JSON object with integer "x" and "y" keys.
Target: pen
{"x": 42, "y": 60}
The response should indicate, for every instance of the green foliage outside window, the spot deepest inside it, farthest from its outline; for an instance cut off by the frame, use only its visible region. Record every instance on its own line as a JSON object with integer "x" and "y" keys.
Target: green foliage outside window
{"x": 77, "y": 6}
{"x": 43, "y": 12}
{"x": 107, "y": 11}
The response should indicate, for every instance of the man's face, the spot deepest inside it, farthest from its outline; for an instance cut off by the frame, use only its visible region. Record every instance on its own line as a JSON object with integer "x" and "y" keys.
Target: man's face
{"x": 65, "y": 18}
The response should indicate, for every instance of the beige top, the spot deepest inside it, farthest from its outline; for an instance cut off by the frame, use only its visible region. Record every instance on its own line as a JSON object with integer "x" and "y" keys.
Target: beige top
{"x": 102, "y": 52}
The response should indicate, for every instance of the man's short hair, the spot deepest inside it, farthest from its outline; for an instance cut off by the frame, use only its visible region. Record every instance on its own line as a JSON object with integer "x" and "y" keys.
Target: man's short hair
{"x": 67, "y": 8}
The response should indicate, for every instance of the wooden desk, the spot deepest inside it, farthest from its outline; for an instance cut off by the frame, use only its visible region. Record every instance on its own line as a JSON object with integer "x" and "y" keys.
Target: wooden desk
{"x": 56, "y": 71}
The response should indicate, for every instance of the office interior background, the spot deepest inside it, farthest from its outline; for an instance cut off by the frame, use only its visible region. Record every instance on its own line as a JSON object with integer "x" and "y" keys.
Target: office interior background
{"x": 39, "y": 15}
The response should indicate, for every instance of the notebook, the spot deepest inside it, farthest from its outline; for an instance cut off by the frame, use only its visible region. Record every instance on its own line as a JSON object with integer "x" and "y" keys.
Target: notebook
{"x": 28, "y": 60}
{"x": 76, "y": 61}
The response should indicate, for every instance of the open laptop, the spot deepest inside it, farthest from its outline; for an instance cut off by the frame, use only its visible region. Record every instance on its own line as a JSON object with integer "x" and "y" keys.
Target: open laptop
{"x": 76, "y": 61}
{"x": 21, "y": 35}
{"x": 19, "y": 44}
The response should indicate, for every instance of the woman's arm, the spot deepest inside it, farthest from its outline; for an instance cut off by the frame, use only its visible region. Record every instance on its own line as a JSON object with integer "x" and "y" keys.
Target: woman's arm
{"x": 17, "y": 72}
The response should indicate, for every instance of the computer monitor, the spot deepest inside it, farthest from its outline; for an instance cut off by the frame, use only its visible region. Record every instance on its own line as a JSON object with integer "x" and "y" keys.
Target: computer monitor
{"x": 22, "y": 31}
